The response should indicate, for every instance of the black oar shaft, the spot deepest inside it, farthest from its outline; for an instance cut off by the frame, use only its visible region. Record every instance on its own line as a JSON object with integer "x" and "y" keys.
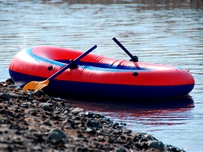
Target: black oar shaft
{"x": 68, "y": 65}
{"x": 124, "y": 49}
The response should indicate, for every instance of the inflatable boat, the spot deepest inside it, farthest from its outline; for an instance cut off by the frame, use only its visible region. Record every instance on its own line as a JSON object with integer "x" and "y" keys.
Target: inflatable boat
{"x": 97, "y": 76}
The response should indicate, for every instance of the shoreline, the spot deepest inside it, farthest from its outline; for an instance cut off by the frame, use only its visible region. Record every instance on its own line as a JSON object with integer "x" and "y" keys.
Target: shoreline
{"x": 35, "y": 121}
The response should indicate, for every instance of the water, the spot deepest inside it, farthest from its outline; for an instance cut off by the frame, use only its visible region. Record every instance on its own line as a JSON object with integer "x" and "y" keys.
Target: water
{"x": 167, "y": 33}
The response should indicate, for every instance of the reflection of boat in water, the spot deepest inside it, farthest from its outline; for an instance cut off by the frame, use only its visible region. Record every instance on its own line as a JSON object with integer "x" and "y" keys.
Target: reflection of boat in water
{"x": 157, "y": 112}
{"x": 122, "y": 105}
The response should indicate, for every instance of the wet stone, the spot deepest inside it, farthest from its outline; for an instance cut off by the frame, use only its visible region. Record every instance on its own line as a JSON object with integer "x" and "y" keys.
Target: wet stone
{"x": 93, "y": 124}
{"x": 3, "y": 105}
{"x": 9, "y": 81}
{"x": 14, "y": 95}
{"x": 156, "y": 144}
{"x": 35, "y": 101}
{"x": 126, "y": 131}
{"x": 121, "y": 149}
{"x": 44, "y": 128}
{"x": 13, "y": 87}
{"x": 77, "y": 110}
{"x": 25, "y": 104}
{"x": 33, "y": 111}
{"x": 36, "y": 148}
{"x": 5, "y": 96}
{"x": 116, "y": 131}
{"x": 39, "y": 93}
{"x": 47, "y": 122}
{"x": 11, "y": 114}
{"x": 149, "y": 137}
{"x": 90, "y": 130}
{"x": 60, "y": 132}
{"x": 46, "y": 106}
{"x": 55, "y": 138}
{"x": 17, "y": 139}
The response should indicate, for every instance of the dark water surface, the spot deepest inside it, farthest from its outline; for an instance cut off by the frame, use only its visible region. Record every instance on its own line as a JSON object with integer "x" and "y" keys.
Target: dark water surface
{"x": 167, "y": 33}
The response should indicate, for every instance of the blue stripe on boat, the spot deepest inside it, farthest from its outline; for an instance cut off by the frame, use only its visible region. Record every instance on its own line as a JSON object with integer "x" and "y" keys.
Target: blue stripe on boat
{"x": 88, "y": 65}
{"x": 70, "y": 89}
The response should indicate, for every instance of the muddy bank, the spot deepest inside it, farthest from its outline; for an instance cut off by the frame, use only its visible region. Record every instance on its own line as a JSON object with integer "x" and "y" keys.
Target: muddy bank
{"x": 34, "y": 121}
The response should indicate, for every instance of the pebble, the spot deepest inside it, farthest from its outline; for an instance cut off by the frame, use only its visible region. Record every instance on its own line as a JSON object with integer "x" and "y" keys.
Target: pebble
{"x": 5, "y": 96}
{"x": 35, "y": 121}
{"x": 156, "y": 144}
{"x": 77, "y": 110}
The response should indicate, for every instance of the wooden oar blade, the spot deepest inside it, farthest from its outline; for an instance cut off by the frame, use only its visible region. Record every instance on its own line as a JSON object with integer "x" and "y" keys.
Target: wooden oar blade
{"x": 34, "y": 85}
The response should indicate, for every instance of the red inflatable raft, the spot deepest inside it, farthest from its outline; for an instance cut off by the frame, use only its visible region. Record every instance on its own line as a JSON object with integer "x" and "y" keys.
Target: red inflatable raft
{"x": 98, "y": 76}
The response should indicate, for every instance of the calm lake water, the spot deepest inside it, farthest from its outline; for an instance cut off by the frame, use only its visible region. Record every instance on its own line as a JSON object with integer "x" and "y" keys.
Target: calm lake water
{"x": 167, "y": 33}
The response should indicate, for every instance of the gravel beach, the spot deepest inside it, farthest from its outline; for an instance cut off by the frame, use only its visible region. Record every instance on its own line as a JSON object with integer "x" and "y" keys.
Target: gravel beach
{"x": 35, "y": 121}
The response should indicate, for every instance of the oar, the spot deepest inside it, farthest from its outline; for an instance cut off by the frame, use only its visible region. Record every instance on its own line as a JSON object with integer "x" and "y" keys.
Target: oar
{"x": 133, "y": 58}
{"x": 35, "y": 85}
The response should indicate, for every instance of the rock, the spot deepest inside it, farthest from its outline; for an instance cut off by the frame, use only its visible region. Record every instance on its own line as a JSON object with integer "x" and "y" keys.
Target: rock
{"x": 116, "y": 131}
{"x": 3, "y": 111}
{"x": 17, "y": 139}
{"x": 10, "y": 81}
{"x": 39, "y": 93}
{"x": 11, "y": 114}
{"x": 90, "y": 130}
{"x": 44, "y": 128}
{"x": 60, "y": 132}
{"x": 14, "y": 95}
{"x": 121, "y": 149}
{"x": 47, "y": 122}
{"x": 13, "y": 87}
{"x": 156, "y": 144}
{"x": 46, "y": 106}
{"x": 149, "y": 137}
{"x": 3, "y": 146}
{"x": 93, "y": 124}
{"x": 25, "y": 104}
{"x": 29, "y": 120}
{"x": 3, "y": 105}
{"x": 36, "y": 148}
{"x": 33, "y": 111}
{"x": 5, "y": 96}
{"x": 56, "y": 136}
{"x": 39, "y": 136}
{"x": 126, "y": 131}
{"x": 77, "y": 110}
